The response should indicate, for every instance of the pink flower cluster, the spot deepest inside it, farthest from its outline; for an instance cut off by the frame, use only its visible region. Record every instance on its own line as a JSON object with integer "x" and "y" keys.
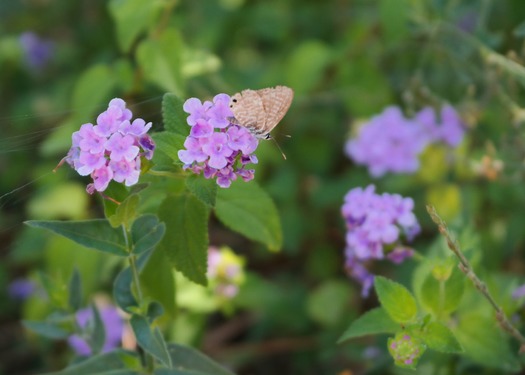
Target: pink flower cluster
{"x": 390, "y": 142}
{"x": 376, "y": 225}
{"x": 214, "y": 146}
{"x": 111, "y": 149}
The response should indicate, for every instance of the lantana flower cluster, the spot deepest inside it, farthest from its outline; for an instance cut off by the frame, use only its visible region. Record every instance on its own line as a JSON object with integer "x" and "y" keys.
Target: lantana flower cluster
{"x": 111, "y": 149}
{"x": 225, "y": 271}
{"x": 377, "y": 227}
{"x": 215, "y": 147}
{"x": 390, "y": 142}
{"x": 406, "y": 349}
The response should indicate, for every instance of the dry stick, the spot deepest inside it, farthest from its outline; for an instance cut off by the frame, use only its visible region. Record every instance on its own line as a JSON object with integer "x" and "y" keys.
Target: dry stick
{"x": 465, "y": 266}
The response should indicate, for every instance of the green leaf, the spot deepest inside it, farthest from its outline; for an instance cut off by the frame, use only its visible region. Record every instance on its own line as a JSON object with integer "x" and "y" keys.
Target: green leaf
{"x": 485, "y": 343}
{"x": 122, "y": 293}
{"x": 154, "y": 311}
{"x": 125, "y": 212}
{"x": 197, "y": 62}
{"x": 173, "y": 114}
{"x": 111, "y": 363}
{"x": 443, "y": 296}
{"x": 307, "y": 64}
{"x": 92, "y": 92}
{"x": 151, "y": 342}
{"x": 146, "y": 233}
{"x": 169, "y": 143}
{"x": 394, "y": 19}
{"x": 372, "y": 322}
{"x": 439, "y": 337}
{"x": 157, "y": 281}
{"x": 189, "y": 361}
{"x": 75, "y": 291}
{"x": 94, "y": 234}
{"x": 160, "y": 60}
{"x": 333, "y": 293}
{"x": 202, "y": 188}
{"x": 98, "y": 334}
{"x": 117, "y": 192}
{"x": 133, "y": 17}
{"x": 397, "y": 301}
{"x": 46, "y": 329}
{"x": 186, "y": 239}
{"x": 246, "y": 208}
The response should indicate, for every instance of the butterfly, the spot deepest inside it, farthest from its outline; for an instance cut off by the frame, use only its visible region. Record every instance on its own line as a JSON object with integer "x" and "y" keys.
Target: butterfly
{"x": 260, "y": 111}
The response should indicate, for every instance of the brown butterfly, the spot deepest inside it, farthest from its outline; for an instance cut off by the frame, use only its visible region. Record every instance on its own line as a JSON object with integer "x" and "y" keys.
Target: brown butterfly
{"x": 260, "y": 110}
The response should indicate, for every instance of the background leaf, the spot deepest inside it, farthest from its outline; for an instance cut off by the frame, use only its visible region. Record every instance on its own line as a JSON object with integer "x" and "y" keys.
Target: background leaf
{"x": 439, "y": 337}
{"x": 173, "y": 115}
{"x": 112, "y": 363}
{"x": 75, "y": 291}
{"x": 151, "y": 342}
{"x": 372, "y": 322}
{"x": 146, "y": 233}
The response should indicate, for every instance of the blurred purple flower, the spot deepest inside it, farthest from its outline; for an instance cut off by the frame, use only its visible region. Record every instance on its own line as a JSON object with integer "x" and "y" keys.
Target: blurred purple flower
{"x": 215, "y": 147}
{"x": 112, "y": 149}
{"x": 113, "y": 326}
{"x": 392, "y": 143}
{"x": 519, "y": 292}
{"x": 37, "y": 51}
{"x": 376, "y": 225}
{"x": 225, "y": 271}
{"x": 21, "y": 289}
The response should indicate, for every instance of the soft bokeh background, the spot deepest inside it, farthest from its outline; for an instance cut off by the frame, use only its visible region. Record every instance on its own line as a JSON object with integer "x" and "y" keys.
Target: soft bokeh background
{"x": 61, "y": 61}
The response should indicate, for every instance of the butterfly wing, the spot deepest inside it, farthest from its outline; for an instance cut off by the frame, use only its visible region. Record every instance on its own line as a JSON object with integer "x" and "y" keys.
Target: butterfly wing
{"x": 276, "y": 102}
{"x": 248, "y": 110}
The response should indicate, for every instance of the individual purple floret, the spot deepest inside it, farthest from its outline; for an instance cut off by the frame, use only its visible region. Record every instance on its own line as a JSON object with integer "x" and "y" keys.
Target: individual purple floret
{"x": 37, "y": 51}
{"x": 377, "y": 225}
{"x": 113, "y": 327}
{"x": 215, "y": 147}
{"x": 392, "y": 143}
{"x": 112, "y": 149}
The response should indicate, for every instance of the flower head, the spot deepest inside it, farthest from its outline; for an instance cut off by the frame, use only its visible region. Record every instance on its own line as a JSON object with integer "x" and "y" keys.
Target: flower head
{"x": 392, "y": 143}
{"x": 112, "y": 149}
{"x": 215, "y": 147}
{"x": 376, "y": 226}
{"x": 406, "y": 349}
{"x": 225, "y": 271}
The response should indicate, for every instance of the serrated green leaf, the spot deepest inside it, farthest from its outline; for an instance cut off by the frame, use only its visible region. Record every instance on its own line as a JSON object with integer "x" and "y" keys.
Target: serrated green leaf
{"x": 151, "y": 342}
{"x": 46, "y": 329}
{"x": 439, "y": 337}
{"x": 173, "y": 115}
{"x": 186, "y": 239}
{"x": 125, "y": 212}
{"x": 146, "y": 233}
{"x": 372, "y": 322}
{"x": 170, "y": 143}
{"x": 246, "y": 208}
{"x": 157, "y": 281}
{"x": 111, "y": 363}
{"x": 161, "y": 60}
{"x": 189, "y": 361}
{"x": 75, "y": 291}
{"x": 202, "y": 188}
{"x": 132, "y": 17}
{"x": 98, "y": 334}
{"x": 94, "y": 234}
{"x": 443, "y": 296}
{"x": 397, "y": 301}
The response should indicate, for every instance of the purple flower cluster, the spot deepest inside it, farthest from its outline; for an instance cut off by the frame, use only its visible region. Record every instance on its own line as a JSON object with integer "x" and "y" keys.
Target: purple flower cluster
{"x": 216, "y": 147}
{"x": 37, "y": 51}
{"x": 390, "y": 142}
{"x": 376, "y": 226}
{"x": 111, "y": 149}
{"x": 113, "y": 326}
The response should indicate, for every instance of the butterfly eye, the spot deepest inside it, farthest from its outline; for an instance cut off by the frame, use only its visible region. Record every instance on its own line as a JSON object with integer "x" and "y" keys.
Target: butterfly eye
{"x": 234, "y": 100}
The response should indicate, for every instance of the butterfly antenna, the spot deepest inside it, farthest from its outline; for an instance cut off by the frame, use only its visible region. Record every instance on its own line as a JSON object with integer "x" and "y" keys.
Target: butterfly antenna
{"x": 279, "y": 147}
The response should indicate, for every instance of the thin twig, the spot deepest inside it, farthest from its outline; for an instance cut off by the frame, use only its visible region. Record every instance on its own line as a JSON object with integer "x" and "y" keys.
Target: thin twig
{"x": 466, "y": 268}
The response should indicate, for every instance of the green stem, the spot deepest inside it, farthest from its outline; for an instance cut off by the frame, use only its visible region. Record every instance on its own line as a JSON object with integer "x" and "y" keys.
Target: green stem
{"x": 467, "y": 269}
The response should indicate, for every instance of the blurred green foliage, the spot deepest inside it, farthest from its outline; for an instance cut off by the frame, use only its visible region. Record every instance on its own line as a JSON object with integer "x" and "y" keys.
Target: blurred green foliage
{"x": 346, "y": 61}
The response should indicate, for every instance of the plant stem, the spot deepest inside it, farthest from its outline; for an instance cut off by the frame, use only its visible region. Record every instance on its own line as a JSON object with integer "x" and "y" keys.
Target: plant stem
{"x": 465, "y": 267}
